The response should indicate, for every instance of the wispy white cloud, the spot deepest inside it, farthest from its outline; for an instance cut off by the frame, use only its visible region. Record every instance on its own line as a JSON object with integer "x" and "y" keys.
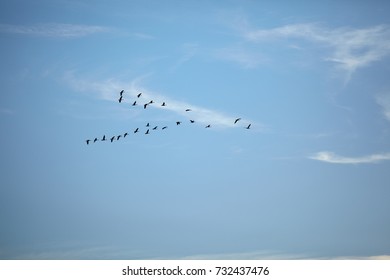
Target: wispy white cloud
{"x": 61, "y": 30}
{"x": 331, "y": 157}
{"x": 254, "y": 255}
{"x": 350, "y": 48}
{"x": 384, "y": 101}
{"x": 109, "y": 90}
{"x": 247, "y": 59}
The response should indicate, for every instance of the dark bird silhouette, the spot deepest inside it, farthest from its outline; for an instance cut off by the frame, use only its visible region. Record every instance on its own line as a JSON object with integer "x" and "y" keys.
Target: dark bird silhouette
{"x": 154, "y": 128}
{"x": 119, "y": 136}
{"x": 165, "y": 127}
{"x": 163, "y": 104}
{"x": 135, "y": 131}
{"x": 177, "y": 123}
{"x": 124, "y": 135}
{"x": 122, "y": 91}
{"x": 104, "y": 138}
{"x": 135, "y": 103}
{"x": 95, "y": 140}
{"x": 237, "y": 120}
{"x": 88, "y": 141}
{"x": 120, "y": 99}
{"x": 147, "y": 125}
{"x": 146, "y": 104}
{"x": 192, "y": 121}
{"x": 150, "y": 102}
{"x": 147, "y": 132}
{"x": 249, "y": 126}
{"x": 207, "y": 126}
{"x": 139, "y": 94}
{"x": 187, "y": 110}
{"x": 112, "y": 138}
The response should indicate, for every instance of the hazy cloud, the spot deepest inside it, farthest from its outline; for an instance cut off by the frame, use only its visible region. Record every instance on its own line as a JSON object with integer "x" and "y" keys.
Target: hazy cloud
{"x": 384, "y": 102}
{"x": 62, "y": 30}
{"x": 331, "y": 157}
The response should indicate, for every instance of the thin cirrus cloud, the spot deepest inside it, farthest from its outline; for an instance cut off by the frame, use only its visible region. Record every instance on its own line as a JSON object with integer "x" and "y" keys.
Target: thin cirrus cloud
{"x": 331, "y": 157}
{"x": 384, "y": 101}
{"x": 349, "y": 48}
{"x": 60, "y": 30}
{"x": 109, "y": 90}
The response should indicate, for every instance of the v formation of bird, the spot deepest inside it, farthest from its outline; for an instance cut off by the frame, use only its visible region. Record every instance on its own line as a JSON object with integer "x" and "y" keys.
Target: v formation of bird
{"x": 148, "y": 130}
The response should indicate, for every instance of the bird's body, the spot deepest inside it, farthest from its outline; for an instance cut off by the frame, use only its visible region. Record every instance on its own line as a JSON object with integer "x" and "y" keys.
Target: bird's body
{"x": 151, "y": 102}
{"x": 104, "y": 138}
{"x": 122, "y": 91}
{"x": 154, "y": 128}
{"x": 135, "y": 131}
{"x": 146, "y": 104}
{"x": 147, "y": 125}
{"x": 187, "y": 110}
{"x": 237, "y": 120}
{"x": 135, "y": 103}
{"x": 248, "y": 127}
{"x": 124, "y": 135}
{"x": 112, "y": 138}
{"x": 163, "y": 104}
{"x": 165, "y": 127}
{"x": 147, "y": 132}
{"x": 94, "y": 140}
{"x": 192, "y": 121}
{"x": 88, "y": 141}
{"x": 120, "y": 99}
{"x": 119, "y": 136}
{"x": 208, "y": 126}
{"x": 177, "y": 123}
{"x": 139, "y": 95}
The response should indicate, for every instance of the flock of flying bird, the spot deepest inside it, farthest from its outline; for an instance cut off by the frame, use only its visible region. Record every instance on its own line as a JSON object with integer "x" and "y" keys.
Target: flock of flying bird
{"x": 137, "y": 130}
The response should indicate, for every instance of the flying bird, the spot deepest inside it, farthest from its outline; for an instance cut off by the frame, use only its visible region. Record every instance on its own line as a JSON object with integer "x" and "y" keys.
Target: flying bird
{"x": 163, "y": 104}
{"x": 122, "y": 91}
{"x": 249, "y": 125}
{"x": 112, "y": 138}
{"x": 237, "y": 120}
{"x": 147, "y": 132}
{"x": 150, "y": 102}
{"x": 165, "y": 127}
{"x": 119, "y": 136}
{"x": 146, "y": 104}
{"x": 147, "y": 125}
{"x": 95, "y": 140}
{"x": 104, "y": 138}
{"x": 139, "y": 94}
{"x": 88, "y": 141}
{"x": 187, "y": 110}
{"x": 124, "y": 135}
{"x": 207, "y": 126}
{"x": 192, "y": 121}
{"x": 154, "y": 128}
{"x": 135, "y": 103}
{"x": 120, "y": 99}
{"x": 177, "y": 123}
{"x": 135, "y": 131}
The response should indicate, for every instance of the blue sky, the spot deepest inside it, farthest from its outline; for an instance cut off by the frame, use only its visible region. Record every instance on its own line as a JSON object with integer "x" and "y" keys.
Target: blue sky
{"x": 309, "y": 179}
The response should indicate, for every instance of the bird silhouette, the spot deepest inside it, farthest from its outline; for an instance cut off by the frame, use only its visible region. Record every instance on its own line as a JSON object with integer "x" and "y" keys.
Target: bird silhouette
{"x": 135, "y": 103}
{"x": 147, "y": 125}
{"x": 147, "y": 132}
{"x": 163, "y": 104}
{"x": 154, "y": 128}
{"x": 150, "y": 102}
{"x": 122, "y": 91}
{"x": 112, "y": 138}
{"x": 249, "y": 125}
{"x": 146, "y": 104}
{"x": 88, "y": 141}
{"x": 120, "y": 99}
{"x": 207, "y": 126}
{"x": 165, "y": 127}
{"x": 187, "y": 110}
{"x": 237, "y": 120}
{"x": 95, "y": 140}
{"x": 139, "y": 95}
{"x": 104, "y": 138}
{"x": 177, "y": 123}
{"x": 192, "y": 121}
{"x": 124, "y": 135}
{"x": 119, "y": 136}
{"x": 135, "y": 131}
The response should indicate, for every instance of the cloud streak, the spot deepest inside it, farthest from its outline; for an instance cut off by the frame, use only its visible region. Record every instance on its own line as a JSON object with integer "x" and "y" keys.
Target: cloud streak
{"x": 384, "y": 102}
{"x": 331, "y": 157}
{"x": 59, "y": 30}
{"x": 109, "y": 90}
{"x": 350, "y": 48}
